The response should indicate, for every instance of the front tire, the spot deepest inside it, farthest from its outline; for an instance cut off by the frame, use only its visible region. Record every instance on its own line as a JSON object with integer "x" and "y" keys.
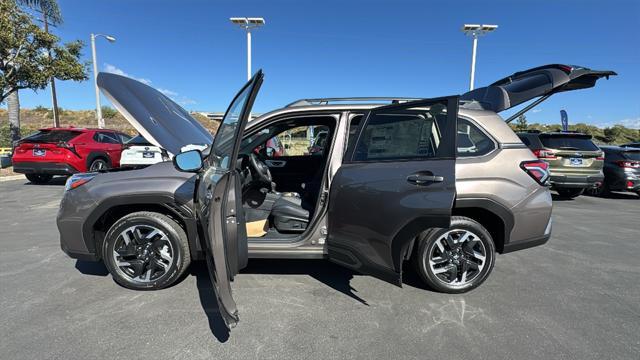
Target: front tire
{"x": 146, "y": 251}
{"x": 457, "y": 259}
{"x": 570, "y": 193}
{"x": 39, "y": 178}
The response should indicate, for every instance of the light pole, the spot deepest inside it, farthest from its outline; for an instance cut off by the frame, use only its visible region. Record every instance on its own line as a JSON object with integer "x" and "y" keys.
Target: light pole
{"x": 95, "y": 75}
{"x": 248, "y": 24}
{"x": 476, "y": 31}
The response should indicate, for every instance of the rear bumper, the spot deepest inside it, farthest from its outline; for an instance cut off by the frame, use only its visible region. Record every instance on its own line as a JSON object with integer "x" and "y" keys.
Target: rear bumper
{"x": 575, "y": 181}
{"x": 51, "y": 168}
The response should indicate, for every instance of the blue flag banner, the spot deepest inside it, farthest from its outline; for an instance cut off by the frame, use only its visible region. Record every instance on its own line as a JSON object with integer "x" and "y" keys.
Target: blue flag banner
{"x": 564, "y": 119}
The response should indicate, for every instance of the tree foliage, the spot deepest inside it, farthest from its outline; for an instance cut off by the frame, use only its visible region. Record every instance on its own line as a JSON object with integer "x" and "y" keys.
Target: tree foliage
{"x": 29, "y": 57}
{"x": 617, "y": 134}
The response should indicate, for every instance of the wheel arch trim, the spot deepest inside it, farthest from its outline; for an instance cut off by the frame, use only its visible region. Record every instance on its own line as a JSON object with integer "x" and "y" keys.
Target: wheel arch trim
{"x": 164, "y": 200}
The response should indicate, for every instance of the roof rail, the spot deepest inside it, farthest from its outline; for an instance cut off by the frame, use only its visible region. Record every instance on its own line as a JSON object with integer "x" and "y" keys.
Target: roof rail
{"x": 350, "y": 100}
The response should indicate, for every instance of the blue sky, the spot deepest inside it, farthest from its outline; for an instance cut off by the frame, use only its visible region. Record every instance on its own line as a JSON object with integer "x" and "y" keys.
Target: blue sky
{"x": 355, "y": 48}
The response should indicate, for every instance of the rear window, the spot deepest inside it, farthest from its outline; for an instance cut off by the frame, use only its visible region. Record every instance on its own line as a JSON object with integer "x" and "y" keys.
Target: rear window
{"x": 568, "y": 143}
{"x": 139, "y": 140}
{"x": 632, "y": 155}
{"x": 52, "y": 136}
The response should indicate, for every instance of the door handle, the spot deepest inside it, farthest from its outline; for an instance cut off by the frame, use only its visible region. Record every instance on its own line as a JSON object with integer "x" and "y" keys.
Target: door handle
{"x": 275, "y": 163}
{"x": 423, "y": 179}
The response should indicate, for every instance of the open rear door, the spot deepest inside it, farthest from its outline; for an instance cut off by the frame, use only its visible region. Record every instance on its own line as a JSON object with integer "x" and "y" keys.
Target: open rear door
{"x": 220, "y": 202}
{"x": 397, "y": 180}
{"x": 533, "y": 83}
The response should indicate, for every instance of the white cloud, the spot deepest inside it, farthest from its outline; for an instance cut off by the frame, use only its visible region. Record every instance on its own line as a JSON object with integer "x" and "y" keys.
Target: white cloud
{"x": 536, "y": 111}
{"x": 168, "y": 92}
{"x": 182, "y": 100}
{"x": 115, "y": 70}
{"x": 632, "y": 123}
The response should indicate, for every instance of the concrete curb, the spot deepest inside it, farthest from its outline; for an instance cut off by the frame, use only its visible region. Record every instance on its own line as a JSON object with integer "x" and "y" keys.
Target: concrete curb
{"x": 11, "y": 177}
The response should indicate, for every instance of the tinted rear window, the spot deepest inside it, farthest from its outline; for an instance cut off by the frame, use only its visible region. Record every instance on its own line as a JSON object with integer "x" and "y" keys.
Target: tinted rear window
{"x": 632, "y": 155}
{"x": 139, "y": 140}
{"x": 52, "y": 136}
{"x": 568, "y": 143}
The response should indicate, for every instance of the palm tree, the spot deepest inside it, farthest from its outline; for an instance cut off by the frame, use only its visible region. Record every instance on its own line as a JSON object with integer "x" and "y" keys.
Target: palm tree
{"x": 50, "y": 14}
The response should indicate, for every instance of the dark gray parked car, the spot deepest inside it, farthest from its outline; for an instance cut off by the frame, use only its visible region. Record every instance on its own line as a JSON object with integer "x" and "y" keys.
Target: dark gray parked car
{"x": 390, "y": 185}
{"x": 621, "y": 170}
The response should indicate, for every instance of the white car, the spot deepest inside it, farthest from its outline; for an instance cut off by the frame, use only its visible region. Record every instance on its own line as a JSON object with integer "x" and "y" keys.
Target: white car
{"x": 140, "y": 152}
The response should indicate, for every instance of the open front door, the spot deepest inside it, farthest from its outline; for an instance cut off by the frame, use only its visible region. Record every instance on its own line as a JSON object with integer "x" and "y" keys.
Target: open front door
{"x": 220, "y": 204}
{"x": 397, "y": 180}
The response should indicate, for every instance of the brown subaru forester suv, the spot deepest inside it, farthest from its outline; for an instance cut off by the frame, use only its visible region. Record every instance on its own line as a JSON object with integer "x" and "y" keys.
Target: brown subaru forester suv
{"x": 442, "y": 182}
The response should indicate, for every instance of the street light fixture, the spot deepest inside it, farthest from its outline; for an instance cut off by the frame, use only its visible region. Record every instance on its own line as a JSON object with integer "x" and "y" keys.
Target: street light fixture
{"x": 475, "y": 31}
{"x": 248, "y": 24}
{"x": 95, "y": 75}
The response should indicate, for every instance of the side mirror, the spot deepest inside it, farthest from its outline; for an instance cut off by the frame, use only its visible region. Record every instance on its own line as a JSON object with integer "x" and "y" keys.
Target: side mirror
{"x": 188, "y": 161}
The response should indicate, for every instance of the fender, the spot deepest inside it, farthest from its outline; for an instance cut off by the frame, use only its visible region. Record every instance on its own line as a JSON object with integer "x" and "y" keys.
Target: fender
{"x": 167, "y": 201}
{"x": 492, "y": 206}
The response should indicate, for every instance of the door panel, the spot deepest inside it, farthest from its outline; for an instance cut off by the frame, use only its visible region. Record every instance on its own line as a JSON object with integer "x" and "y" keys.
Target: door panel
{"x": 219, "y": 199}
{"x": 399, "y": 181}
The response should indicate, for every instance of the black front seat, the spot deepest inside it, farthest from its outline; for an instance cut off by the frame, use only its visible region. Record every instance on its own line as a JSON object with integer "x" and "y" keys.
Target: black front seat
{"x": 289, "y": 216}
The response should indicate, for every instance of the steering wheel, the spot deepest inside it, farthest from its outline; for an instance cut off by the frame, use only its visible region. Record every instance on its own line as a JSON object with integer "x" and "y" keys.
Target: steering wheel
{"x": 260, "y": 169}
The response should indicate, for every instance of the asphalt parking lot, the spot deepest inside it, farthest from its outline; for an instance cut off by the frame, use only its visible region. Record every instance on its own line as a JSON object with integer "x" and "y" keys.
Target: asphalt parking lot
{"x": 577, "y": 297}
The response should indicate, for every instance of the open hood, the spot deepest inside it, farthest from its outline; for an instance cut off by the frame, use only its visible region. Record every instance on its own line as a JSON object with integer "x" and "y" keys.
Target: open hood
{"x": 529, "y": 84}
{"x": 158, "y": 118}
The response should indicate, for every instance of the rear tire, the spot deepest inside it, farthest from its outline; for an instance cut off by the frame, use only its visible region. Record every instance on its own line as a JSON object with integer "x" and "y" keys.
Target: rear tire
{"x": 99, "y": 164}
{"x": 469, "y": 261}
{"x": 39, "y": 178}
{"x": 570, "y": 193}
{"x": 146, "y": 251}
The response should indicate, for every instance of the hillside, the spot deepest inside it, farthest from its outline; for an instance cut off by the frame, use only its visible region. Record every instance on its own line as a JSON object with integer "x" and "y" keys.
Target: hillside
{"x": 34, "y": 119}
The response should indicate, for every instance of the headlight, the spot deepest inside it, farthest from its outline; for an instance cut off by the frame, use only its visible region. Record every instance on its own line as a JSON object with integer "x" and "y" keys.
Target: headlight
{"x": 77, "y": 180}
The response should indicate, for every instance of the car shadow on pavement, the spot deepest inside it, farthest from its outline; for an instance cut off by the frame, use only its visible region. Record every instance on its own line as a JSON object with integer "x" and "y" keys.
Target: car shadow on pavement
{"x": 95, "y": 268}
{"x": 57, "y": 181}
{"x": 332, "y": 275}
{"x": 208, "y": 301}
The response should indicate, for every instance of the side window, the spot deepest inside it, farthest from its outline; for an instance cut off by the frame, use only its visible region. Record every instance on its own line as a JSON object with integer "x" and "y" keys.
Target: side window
{"x": 472, "y": 141}
{"x": 124, "y": 137}
{"x": 353, "y": 129}
{"x": 407, "y": 134}
{"x": 525, "y": 140}
{"x": 299, "y": 141}
{"x": 106, "y": 138}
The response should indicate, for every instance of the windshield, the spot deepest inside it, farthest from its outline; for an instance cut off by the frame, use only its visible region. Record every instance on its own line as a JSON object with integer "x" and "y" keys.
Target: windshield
{"x": 224, "y": 141}
{"x": 568, "y": 143}
{"x": 52, "y": 136}
{"x": 139, "y": 140}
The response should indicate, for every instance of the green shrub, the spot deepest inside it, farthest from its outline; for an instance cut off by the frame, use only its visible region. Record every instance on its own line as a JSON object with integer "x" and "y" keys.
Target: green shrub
{"x": 108, "y": 112}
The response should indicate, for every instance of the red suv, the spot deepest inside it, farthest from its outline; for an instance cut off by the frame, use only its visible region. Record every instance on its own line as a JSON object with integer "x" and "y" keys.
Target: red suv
{"x": 66, "y": 151}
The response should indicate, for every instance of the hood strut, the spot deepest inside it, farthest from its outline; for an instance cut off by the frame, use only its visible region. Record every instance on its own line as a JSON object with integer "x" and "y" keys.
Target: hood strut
{"x": 528, "y": 107}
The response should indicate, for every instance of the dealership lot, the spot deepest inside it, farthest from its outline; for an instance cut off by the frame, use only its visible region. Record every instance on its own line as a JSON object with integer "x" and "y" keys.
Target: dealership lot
{"x": 575, "y": 297}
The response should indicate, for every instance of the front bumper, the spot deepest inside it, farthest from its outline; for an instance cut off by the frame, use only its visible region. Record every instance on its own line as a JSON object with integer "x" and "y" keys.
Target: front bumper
{"x": 575, "y": 181}
{"x": 51, "y": 168}
{"x": 75, "y": 206}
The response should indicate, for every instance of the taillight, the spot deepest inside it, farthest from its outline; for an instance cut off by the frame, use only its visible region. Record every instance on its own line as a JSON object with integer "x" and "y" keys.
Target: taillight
{"x": 77, "y": 180}
{"x": 544, "y": 154}
{"x": 538, "y": 170}
{"x": 600, "y": 157}
{"x": 70, "y": 147}
{"x": 628, "y": 164}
